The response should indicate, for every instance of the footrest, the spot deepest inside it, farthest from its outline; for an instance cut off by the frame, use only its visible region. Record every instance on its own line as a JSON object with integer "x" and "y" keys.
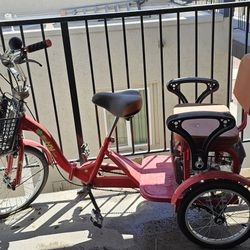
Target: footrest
{"x": 157, "y": 178}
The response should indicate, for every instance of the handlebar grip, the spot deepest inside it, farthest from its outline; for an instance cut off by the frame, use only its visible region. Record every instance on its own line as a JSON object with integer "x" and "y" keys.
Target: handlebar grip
{"x": 37, "y": 46}
{"x": 15, "y": 43}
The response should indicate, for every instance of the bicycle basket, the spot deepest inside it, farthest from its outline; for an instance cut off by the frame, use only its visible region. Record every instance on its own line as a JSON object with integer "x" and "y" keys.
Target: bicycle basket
{"x": 9, "y": 117}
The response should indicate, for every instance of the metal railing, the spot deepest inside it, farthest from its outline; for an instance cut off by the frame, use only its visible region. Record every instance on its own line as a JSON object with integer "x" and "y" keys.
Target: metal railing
{"x": 126, "y": 22}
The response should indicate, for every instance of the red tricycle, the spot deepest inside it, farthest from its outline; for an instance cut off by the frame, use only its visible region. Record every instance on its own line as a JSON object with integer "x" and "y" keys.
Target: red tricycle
{"x": 200, "y": 176}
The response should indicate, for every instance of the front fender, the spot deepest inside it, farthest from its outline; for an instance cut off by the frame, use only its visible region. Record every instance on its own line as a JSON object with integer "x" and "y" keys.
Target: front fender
{"x": 31, "y": 143}
{"x": 211, "y": 175}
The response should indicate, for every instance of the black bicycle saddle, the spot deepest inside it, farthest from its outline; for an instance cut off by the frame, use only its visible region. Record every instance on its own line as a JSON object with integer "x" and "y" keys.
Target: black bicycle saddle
{"x": 121, "y": 104}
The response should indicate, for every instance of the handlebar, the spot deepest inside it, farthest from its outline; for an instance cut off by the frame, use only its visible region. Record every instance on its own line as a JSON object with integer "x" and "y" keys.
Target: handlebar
{"x": 16, "y": 55}
{"x": 37, "y": 46}
{"x": 15, "y": 43}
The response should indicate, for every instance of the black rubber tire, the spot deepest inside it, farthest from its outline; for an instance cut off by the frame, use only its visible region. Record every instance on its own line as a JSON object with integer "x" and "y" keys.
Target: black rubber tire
{"x": 205, "y": 187}
{"x": 37, "y": 189}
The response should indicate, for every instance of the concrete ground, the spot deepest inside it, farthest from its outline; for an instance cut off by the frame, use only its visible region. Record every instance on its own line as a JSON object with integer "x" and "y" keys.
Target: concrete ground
{"x": 62, "y": 221}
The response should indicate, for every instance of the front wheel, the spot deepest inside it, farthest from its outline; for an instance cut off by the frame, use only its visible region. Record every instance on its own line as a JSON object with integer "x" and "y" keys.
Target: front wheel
{"x": 216, "y": 214}
{"x": 34, "y": 176}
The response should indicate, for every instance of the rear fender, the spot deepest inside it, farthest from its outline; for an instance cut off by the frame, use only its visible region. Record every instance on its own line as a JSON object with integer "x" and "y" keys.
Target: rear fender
{"x": 211, "y": 175}
{"x": 31, "y": 143}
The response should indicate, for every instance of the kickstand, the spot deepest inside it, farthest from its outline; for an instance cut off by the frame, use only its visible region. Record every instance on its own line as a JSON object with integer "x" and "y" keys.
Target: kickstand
{"x": 96, "y": 216}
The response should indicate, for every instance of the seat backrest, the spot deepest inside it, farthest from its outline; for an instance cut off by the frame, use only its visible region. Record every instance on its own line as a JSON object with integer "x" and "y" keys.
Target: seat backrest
{"x": 242, "y": 84}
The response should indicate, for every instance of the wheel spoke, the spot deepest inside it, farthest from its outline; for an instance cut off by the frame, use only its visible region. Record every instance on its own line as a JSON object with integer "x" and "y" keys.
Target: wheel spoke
{"x": 216, "y": 214}
{"x": 33, "y": 178}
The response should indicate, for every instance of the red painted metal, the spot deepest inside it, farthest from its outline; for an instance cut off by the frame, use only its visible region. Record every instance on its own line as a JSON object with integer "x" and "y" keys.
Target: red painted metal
{"x": 243, "y": 124}
{"x": 8, "y": 170}
{"x": 211, "y": 175}
{"x": 129, "y": 167}
{"x": 157, "y": 181}
{"x": 29, "y": 124}
{"x": 88, "y": 171}
{"x": 155, "y": 176}
{"x": 35, "y": 144}
{"x": 186, "y": 165}
{"x": 19, "y": 163}
{"x": 99, "y": 159}
{"x": 114, "y": 181}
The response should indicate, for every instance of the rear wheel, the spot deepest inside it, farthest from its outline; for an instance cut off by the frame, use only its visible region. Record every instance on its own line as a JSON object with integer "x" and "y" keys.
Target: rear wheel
{"x": 216, "y": 214}
{"x": 34, "y": 176}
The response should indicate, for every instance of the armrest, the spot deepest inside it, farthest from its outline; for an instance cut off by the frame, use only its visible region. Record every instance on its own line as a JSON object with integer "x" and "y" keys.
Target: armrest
{"x": 199, "y": 155}
{"x": 174, "y": 87}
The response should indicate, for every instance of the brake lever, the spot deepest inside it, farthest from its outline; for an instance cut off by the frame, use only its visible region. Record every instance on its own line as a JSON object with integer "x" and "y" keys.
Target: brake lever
{"x": 33, "y": 61}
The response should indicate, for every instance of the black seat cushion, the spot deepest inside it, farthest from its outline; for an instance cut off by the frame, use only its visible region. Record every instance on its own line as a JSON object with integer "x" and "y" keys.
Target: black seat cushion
{"x": 121, "y": 104}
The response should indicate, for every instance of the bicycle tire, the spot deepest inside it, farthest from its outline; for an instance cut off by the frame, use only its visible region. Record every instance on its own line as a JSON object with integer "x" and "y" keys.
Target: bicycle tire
{"x": 34, "y": 177}
{"x": 210, "y": 232}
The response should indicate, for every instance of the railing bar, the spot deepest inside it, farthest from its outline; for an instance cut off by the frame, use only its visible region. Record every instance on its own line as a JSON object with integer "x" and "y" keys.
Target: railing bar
{"x": 127, "y": 75}
{"x": 30, "y": 78}
{"x": 126, "y": 14}
{"x": 145, "y": 80}
{"x": 178, "y": 46}
{"x": 4, "y": 48}
{"x": 72, "y": 85}
{"x": 93, "y": 81}
{"x": 125, "y": 51}
{"x": 247, "y": 30}
{"x": 229, "y": 76}
{"x": 109, "y": 54}
{"x": 196, "y": 52}
{"x": 111, "y": 74}
{"x": 162, "y": 82}
{"x": 52, "y": 90}
{"x": 212, "y": 50}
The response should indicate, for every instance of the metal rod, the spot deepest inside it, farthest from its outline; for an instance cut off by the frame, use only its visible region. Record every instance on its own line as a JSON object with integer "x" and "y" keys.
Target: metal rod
{"x": 4, "y": 48}
{"x": 145, "y": 80}
{"x": 114, "y": 125}
{"x": 110, "y": 73}
{"x": 178, "y": 48}
{"x": 93, "y": 81}
{"x": 178, "y": 45}
{"x": 212, "y": 50}
{"x": 196, "y": 51}
{"x": 109, "y": 55}
{"x": 247, "y": 31}
{"x": 128, "y": 79}
{"x": 52, "y": 91}
{"x": 162, "y": 83}
{"x": 204, "y": 7}
{"x": 72, "y": 85}
{"x": 125, "y": 51}
{"x": 30, "y": 79}
{"x": 229, "y": 72}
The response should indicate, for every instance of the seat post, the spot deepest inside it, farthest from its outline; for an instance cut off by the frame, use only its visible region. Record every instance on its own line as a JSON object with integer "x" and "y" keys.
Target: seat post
{"x": 113, "y": 126}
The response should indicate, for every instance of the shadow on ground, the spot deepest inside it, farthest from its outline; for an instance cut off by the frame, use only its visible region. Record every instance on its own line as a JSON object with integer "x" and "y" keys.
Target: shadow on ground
{"x": 130, "y": 223}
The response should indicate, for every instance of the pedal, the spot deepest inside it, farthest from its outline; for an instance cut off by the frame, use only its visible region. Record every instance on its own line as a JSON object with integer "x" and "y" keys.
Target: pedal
{"x": 96, "y": 218}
